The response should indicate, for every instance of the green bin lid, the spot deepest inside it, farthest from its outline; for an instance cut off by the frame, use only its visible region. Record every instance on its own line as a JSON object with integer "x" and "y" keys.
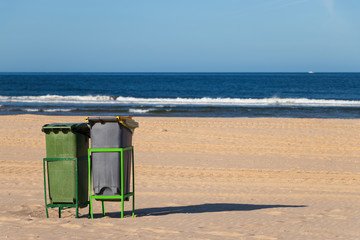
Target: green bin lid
{"x": 73, "y": 127}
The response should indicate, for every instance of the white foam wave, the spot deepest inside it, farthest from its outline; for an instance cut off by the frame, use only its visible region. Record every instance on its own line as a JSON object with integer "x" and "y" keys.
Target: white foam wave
{"x": 31, "y": 110}
{"x": 57, "y": 110}
{"x": 57, "y": 99}
{"x": 46, "y": 110}
{"x": 275, "y": 101}
{"x": 131, "y": 110}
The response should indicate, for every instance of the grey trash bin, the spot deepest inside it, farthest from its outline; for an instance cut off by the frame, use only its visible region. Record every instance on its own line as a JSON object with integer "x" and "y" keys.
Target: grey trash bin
{"x": 111, "y": 132}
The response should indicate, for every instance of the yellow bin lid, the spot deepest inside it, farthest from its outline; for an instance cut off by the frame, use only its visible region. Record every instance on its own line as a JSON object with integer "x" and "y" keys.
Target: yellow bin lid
{"x": 126, "y": 121}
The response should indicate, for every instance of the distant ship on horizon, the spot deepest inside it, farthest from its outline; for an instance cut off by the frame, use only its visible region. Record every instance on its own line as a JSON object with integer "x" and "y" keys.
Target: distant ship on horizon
{"x": 310, "y": 72}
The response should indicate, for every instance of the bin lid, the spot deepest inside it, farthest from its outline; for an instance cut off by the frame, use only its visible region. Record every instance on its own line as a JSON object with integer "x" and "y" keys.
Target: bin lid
{"x": 73, "y": 127}
{"x": 126, "y": 121}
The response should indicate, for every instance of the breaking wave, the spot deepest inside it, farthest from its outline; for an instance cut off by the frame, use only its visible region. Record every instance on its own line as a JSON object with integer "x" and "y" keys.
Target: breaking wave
{"x": 46, "y": 110}
{"x": 274, "y": 101}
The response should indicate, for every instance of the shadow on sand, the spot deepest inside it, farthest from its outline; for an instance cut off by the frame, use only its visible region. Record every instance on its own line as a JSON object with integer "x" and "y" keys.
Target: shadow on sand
{"x": 201, "y": 208}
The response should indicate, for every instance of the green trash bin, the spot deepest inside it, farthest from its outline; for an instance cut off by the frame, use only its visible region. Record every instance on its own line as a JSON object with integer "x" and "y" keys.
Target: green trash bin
{"x": 67, "y": 166}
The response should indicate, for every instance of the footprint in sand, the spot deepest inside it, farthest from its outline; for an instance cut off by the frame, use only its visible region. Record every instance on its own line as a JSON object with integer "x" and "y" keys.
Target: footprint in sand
{"x": 104, "y": 224}
{"x": 49, "y": 221}
{"x": 335, "y": 210}
{"x": 253, "y": 225}
{"x": 29, "y": 210}
{"x": 9, "y": 219}
{"x": 340, "y": 217}
{"x": 223, "y": 234}
{"x": 38, "y": 226}
{"x": 274, "y": 213}
{"x": 264, "y": 237}
{"x": 70, "y": 226}
{"x": 156, "y": 230}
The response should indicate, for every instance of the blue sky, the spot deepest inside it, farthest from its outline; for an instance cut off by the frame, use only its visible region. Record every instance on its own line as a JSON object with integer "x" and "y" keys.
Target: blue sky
{"x": 180, "y": 36}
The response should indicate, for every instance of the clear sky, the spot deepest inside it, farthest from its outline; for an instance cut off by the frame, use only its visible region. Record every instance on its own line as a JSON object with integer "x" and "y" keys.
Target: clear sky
{"x": 179, "y": 36}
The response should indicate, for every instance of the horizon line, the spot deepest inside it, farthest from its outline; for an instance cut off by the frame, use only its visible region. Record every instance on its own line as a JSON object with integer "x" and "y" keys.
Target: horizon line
{"x": 172, "y": 72}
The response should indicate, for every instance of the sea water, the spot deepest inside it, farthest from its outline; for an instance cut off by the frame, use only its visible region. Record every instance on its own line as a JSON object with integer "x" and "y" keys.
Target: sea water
{"x": 300, "y": 95}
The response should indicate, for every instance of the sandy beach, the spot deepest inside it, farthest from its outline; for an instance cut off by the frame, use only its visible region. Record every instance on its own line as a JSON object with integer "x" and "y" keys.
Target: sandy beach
{"x": 200, "y": 178}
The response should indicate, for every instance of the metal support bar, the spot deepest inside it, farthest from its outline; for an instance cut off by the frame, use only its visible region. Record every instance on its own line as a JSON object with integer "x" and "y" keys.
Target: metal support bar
{"x": 123, "y": 196}
{"x": 61, "y": 206}
{"x": 103, "y": 208}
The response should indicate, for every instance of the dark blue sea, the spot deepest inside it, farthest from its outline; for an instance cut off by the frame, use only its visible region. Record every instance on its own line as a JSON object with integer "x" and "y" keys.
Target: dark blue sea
{"x": 299, "y": 95}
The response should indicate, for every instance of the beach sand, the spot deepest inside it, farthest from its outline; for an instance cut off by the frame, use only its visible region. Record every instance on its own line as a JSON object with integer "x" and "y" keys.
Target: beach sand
{"x": 200, "y": 178}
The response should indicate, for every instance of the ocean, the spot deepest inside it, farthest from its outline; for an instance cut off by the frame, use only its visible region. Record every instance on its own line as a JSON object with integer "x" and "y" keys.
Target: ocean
{"x": 298, "y": 95}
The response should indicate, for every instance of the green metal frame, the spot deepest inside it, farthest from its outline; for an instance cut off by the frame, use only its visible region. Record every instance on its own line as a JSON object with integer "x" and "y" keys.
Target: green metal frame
{"x": 121, "y": 197}
{"x": 61, "y": 206}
